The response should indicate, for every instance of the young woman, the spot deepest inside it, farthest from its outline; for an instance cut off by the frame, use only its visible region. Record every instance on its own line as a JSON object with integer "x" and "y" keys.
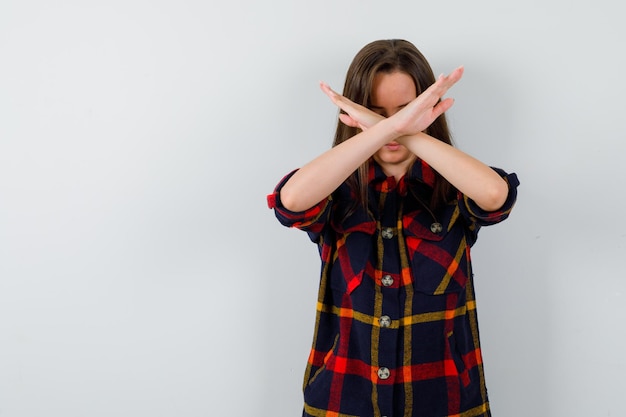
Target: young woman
{"x": 394, "y": 209}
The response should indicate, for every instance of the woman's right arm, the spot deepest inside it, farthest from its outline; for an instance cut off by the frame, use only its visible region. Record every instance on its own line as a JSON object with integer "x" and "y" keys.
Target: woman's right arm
{"x": 319, "y": 178}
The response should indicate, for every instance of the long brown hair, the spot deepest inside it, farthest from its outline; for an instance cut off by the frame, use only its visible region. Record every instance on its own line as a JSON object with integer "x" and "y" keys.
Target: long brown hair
{"x": 389, "y": 56}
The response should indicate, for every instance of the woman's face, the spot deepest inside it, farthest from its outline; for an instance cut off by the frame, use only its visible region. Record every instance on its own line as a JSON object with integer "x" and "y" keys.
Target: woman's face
{"x": 391, "y": 92}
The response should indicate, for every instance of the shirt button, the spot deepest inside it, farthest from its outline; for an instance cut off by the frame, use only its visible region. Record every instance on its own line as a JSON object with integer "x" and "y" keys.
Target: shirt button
{"x": 383, "y": 373}
{"x": 385, "y": 321}
{"x": 387, "y": 281}
{"x": 436, "y": 227}
{"x": 387, "y": 233}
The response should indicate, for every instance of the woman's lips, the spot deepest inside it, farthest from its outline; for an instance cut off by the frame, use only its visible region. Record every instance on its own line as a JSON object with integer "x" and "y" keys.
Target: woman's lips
{"x": 392, "y": 146}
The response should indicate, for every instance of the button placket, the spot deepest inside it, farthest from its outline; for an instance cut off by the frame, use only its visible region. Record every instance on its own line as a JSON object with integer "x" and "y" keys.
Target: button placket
{"x": 387, "y": 232}
{"x": 387, "y": 281}
{"x": 383, "y": 373}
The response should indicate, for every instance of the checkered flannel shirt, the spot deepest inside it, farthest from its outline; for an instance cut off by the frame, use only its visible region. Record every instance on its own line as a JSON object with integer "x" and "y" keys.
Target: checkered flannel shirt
{"x": 396, "y": 330}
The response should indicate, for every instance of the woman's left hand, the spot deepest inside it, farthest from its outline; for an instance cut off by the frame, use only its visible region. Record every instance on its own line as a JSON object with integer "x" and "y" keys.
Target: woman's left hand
{"x": 355, "y": 115}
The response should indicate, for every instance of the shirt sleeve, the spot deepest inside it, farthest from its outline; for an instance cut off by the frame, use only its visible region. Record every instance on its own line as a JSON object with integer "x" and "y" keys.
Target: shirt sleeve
{"x": 471, "y": 210}
{"x": 312, "y": 220}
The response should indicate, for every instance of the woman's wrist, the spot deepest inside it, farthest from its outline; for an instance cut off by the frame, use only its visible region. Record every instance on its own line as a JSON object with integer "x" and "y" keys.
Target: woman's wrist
{"x": 406, "y": 140}
{"x": 386, "y": 131}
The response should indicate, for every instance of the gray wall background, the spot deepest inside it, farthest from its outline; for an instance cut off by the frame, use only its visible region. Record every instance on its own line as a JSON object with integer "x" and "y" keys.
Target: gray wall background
{"x": 141, "y": 273}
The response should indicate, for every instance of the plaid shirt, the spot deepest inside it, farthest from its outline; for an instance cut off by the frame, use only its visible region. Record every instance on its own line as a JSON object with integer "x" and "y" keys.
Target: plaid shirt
{"x": 396, "y": 329}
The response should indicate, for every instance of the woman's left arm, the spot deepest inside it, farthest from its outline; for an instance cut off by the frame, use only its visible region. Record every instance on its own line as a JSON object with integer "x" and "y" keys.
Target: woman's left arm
{"x": 470, "y": 176}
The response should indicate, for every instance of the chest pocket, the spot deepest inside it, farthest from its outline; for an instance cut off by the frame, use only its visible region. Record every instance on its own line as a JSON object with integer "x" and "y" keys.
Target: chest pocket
{"x": 437, "y": 253}
{"x": 353, "y": 243}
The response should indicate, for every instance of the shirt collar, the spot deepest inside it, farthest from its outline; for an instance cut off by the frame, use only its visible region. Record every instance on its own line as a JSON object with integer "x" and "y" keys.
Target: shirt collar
{"x": 419, "y": 172}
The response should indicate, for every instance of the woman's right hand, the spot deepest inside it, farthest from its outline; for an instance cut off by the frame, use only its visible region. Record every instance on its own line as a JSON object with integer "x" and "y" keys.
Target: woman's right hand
{"x": 412, "y": 119}
{"x": 420, "y": 113}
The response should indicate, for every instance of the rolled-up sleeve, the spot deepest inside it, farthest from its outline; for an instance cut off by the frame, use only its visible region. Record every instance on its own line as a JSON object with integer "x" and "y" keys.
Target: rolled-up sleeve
{"x": 312, "y": 220}
{"x": 471, "y": 210}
